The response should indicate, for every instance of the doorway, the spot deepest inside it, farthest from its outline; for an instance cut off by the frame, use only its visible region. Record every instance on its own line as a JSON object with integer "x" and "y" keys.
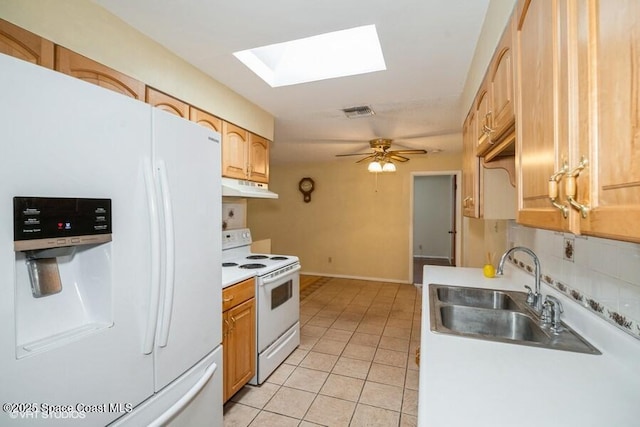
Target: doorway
{"x": 435, "y": 221}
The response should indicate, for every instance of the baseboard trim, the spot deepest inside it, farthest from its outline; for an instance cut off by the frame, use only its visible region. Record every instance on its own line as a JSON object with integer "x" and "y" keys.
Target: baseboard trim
{"x": 342, "y": 276}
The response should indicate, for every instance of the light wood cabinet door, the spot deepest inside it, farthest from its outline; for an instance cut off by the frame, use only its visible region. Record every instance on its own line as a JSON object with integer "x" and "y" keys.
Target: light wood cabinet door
{"x": 239, "y": 346}
{"x": 22, "y": 44}
{"x": 541, "y": 142}
{"x": 501, "y": 88}
{"x": 167, "y": 103}
{"x": 470, "y": 168}
{"x": 258, "y": 158}
{"x": 610, "y": 184}
{"x": 83, "y": 68}
{"x": 483, "y": 120}
{"x": 234, "y": 151}
{"x": 205, "y": 119}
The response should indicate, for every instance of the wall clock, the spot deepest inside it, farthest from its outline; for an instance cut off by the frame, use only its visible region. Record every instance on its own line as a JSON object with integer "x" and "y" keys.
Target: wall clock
{"x": 306, "y": 186}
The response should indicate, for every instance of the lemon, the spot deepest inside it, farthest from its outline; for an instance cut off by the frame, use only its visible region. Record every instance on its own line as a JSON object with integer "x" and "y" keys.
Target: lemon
{"x": 489, "y": 271}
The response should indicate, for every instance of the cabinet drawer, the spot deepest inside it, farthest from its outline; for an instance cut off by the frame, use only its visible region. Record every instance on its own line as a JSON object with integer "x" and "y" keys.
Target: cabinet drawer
{"x": 238, "y": 293}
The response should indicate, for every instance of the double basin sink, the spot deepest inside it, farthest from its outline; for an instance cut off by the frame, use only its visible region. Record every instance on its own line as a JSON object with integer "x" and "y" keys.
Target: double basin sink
{"x": 497, "y": 315}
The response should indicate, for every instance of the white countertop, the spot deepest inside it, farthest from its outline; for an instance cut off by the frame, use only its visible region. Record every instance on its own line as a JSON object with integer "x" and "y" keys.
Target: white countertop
{"x": 470, "y": 382}
{"x": 231, "y": 276}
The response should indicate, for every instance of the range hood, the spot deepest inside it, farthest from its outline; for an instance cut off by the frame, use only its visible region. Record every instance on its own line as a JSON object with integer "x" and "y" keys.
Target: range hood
{"x": 240, "y": 188}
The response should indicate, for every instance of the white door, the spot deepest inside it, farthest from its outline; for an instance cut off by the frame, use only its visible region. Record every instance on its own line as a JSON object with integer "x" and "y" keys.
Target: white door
{"x": 62, "y": 137}
{"x": 187, "y": 168}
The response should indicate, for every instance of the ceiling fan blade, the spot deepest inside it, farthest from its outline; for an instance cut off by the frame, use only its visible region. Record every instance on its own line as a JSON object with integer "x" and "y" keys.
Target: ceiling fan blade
{"x": 408, "y": 151}
{"x": 398, "y": 158}
{"x": 372, "y": 156}
{"x": 352, "y": 154}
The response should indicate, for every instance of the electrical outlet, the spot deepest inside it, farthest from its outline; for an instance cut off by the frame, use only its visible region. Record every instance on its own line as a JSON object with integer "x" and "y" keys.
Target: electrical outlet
{"x": 568, "y": 249}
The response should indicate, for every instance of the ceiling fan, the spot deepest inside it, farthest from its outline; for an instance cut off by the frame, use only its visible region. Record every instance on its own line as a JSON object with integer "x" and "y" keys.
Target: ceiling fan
{"x": 382, "y": 157}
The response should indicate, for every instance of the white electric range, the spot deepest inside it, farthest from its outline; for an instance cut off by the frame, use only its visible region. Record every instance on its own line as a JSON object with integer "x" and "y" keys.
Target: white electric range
{"x": 277, "y": 298}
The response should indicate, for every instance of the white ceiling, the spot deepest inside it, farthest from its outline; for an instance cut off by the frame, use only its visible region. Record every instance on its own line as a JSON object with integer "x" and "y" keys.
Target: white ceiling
{"x": 428, "y": 46}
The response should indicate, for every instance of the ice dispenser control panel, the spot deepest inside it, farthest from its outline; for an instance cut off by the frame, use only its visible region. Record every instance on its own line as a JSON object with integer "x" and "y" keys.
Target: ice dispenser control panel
{"x": 48, "y": 222}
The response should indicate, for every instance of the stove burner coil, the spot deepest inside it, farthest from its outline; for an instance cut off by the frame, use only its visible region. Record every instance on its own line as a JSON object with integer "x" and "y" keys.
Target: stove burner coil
{"x": 257, "y": 257}
{"x": 279, "y": 258}
{"x": 252, "y": 266}
{"x": 229, "y": 264}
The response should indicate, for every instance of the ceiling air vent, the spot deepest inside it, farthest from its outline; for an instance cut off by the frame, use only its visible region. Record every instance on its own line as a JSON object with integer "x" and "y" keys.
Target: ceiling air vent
{"x": 354, "y": 112}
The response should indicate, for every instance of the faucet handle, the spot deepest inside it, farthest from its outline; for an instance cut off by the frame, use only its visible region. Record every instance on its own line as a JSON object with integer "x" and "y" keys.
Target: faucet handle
{"x": 530, "y": 295}
{"x": 547, "y": 313}
{"x": 556, "y": 310}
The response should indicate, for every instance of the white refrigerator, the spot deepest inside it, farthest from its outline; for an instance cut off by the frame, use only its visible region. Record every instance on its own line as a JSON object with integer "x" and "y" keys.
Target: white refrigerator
{"x": 133, "y": 336}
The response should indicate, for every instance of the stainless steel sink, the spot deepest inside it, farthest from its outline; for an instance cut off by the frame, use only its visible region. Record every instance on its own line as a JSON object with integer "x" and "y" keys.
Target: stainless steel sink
{"x": 496, "y": 315}
{"x": 506, "y": 324}
{"x": 476, "y": 297}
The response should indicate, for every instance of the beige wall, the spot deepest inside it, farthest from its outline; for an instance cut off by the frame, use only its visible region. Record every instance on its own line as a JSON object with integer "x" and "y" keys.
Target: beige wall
{"x": 364, "y": 226}
{"x": 86, "y": 28}
{"x": 484, "y": 238}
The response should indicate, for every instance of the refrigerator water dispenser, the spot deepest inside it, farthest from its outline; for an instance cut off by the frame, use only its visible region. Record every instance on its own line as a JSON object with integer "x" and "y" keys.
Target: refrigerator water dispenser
{"x": 43, "y": 270}
{"x": 63, "y": 270}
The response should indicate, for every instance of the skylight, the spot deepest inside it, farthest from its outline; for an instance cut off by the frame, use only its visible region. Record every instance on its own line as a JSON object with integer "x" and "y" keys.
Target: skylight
{"x": 325, "y": 56}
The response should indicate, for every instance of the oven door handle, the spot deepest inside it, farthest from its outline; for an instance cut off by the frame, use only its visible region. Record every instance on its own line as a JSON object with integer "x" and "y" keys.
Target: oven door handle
{"x": 277, "y": 278}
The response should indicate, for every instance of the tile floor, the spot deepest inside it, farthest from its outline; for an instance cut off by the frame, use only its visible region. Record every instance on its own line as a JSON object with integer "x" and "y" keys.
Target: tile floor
{"x": 355, "y": 365}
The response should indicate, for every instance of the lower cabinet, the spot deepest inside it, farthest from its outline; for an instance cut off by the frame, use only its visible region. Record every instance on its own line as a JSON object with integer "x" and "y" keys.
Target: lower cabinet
{"x": 238, "y": 335}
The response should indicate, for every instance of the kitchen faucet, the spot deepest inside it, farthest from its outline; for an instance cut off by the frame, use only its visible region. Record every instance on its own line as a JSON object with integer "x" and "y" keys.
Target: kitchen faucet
{"x": 534, "y": 298}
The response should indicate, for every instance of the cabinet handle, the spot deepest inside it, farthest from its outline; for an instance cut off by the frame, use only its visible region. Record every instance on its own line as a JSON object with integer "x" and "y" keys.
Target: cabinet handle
{"x": 228, "y": 299}
{"x": 571, "y": 187}
{"x": 485, "y": 128}
{"x": 227, "y": 329}
{"x": 553, "y": 189}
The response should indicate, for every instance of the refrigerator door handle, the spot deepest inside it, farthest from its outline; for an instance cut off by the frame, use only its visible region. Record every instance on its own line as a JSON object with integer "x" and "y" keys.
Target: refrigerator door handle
{"x": 167, "y": 307}
{"x": 154, "y": 229}
{"x": 186, "y": 398}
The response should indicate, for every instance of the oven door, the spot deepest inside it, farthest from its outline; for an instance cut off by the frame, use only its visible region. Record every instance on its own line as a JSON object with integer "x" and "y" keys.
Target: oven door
{"x": 278, "y": 304}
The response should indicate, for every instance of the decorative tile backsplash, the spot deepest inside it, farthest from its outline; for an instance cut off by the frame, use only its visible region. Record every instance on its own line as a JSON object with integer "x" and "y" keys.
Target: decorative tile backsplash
{"x": 601, "y": 275}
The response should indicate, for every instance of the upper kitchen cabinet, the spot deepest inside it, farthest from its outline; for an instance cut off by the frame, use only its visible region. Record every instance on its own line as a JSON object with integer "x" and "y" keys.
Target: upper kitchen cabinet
{"x": 483, "y": 119}
{"x": 81, "y": 67}
{"x": 22, "y": 44}
{"x": 205, "y": 119}
{"x": 244, "y": 155}
{"x": 606, "y": 162}
{"x": 542, "y": 152}
{"x": 579, "y": 117}
{"x": 488, "y": 171}
{"x": 470, "y": 168}
{"x": 234, "y": 151}
{"x": 495, "y": 101}
{"x": 258, "y": 158}
{"x": 501, "y": 84}
{"x": 487, "y": 191}
{"x": 167, "y": 103}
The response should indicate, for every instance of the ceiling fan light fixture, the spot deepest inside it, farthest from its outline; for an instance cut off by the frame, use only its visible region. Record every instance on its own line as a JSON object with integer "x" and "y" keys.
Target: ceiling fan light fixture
{"x": 388, "y": 167}
{"x": 374, "y": 167}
